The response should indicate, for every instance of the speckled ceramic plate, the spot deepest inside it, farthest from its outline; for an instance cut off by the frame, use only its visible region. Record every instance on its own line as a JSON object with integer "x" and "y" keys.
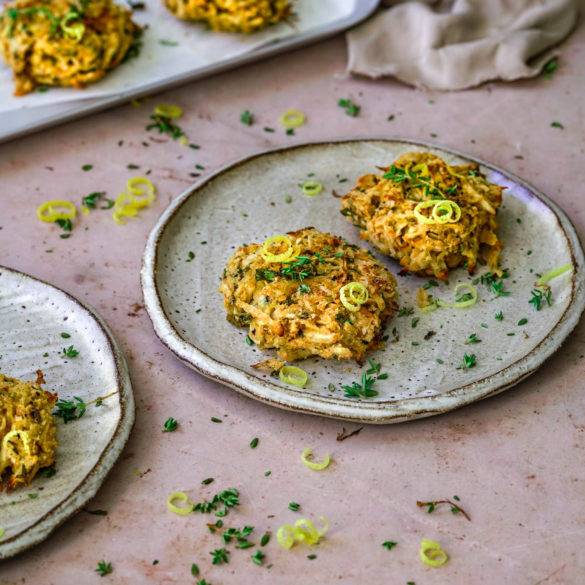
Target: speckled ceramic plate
{"x": 33, "y": 317}
{"x": 260, "y": 196}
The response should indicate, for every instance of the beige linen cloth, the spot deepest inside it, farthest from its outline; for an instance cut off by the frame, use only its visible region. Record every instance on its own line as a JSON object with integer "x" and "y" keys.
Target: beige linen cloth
{"x": 458, "y": 44}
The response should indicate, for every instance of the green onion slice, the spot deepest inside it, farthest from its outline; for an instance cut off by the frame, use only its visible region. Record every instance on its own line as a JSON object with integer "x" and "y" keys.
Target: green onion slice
{"x": 431, "y": 553}
{"x": 293, "y": 375}
{"x": 180, "y": 510}
{"x": 292, "y": 119}
{"x": 353, "y": 295}
{"x": 548, "y": 276}
{"x": 306, "y": 458}
{"x": 74, "y": 31}
{"x": 312, "y": 188}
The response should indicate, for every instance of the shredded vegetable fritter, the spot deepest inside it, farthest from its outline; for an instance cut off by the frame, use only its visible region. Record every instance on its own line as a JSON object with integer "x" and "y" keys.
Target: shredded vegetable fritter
{"x": 68, "y": 43}
{"x": 27, "y": 431}
{"x": 382, "y": 207}
{"x": 294, "y": 306}
{"x": 245, "y": 16}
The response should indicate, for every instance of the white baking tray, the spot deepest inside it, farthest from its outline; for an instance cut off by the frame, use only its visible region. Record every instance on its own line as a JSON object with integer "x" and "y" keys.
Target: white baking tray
{"x": 220, "y": 52}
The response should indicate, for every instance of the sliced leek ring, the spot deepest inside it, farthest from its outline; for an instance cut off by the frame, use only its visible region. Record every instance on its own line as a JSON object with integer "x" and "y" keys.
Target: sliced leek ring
{"x": 353, "y": 296}
{"x": 431, "y": 553}
{"x": 292, "y": 119}
{"x": 51, "y": 211}
{"x": 182, "y": 497}
{"x": 168, "y": 111}
{"x": 293, "y": 375}
{"x": 306, "y": 458}
{"x": 283, "y": 256}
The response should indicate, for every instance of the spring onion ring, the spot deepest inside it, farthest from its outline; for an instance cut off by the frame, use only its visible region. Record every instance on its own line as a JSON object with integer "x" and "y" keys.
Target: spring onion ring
{"x": 420, "y": 216}
{"x": 142, "y": 191}
{"x": 548, "y": 276}
{"x": 443, "y": 211}
{"x": 353, "y": 295}
{"x": 75, "y": 31}
{"x": 180, "y": 510}
{"x": 168, "y": 111}
{"x": 293, "y": 375}
{"x": 286, "y": 536}
{"x": 462, "y": 286}
{"x": 282, "y": 257}
{"x": 303, "y": 531}
{"x": 306, "y": 456}
{"x": 292, "y": 119}
{"x": 312, "y": 188}
{"x": 51, "y": 211}
{"x": 431, "y": 553}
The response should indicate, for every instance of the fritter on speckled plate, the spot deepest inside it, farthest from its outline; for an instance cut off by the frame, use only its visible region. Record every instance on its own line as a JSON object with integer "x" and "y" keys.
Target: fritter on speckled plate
{"x": 245, "y": 16}
{"x": 395, "y": 210}
{"x": 64, "y": 42}
{"x": 309, "y": 294}
{"x": 27, "y": 431}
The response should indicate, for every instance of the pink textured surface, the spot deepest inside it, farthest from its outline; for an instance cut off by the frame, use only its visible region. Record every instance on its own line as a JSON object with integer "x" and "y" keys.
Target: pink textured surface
{"x": 515, "y": 460}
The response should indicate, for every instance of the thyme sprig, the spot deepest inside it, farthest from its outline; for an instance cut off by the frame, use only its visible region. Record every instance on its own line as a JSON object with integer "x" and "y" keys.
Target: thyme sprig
{"x": 455, "y": 508}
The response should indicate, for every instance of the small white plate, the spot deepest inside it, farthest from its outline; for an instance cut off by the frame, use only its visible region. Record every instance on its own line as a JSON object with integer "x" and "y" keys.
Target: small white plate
{"x": 247, "y": 202}
{"x": 33, "y": 315}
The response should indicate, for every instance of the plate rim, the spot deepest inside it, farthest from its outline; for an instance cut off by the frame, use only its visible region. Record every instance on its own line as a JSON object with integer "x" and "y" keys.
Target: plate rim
{"x": 89, "y": 485}
{"x": 359, "y": 410}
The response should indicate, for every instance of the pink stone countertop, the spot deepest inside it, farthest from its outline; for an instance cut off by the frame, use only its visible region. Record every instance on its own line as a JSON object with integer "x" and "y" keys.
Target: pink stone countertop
{"x": 516, "y": 460}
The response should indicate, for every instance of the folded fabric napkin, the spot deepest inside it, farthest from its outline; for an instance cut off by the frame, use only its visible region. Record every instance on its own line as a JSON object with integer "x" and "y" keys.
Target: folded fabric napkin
{"x": 458, "y": 44}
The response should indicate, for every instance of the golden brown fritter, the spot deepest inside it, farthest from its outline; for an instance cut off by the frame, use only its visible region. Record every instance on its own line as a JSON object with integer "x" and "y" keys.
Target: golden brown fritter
{"x": 295, "y": 306}
{"x": 27, "y": 431}
{"x": 63, "y": 42}
{"x": 383, "y": 208}
{"x": 245, "y": 16}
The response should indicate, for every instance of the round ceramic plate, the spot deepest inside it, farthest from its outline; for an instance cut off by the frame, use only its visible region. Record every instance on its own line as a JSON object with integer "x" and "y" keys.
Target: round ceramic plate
{"x": 260, "y": 196}
{"x": 33, "y": 317}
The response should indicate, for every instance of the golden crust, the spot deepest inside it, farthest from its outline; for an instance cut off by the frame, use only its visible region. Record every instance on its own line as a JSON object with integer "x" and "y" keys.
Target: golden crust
{"x": 383, "y": 210}
{"x": 245, "y": 16}
{"x": 40, "y": 53}
{"x": 310, "y": 320}
{"x": 28, "y": 438}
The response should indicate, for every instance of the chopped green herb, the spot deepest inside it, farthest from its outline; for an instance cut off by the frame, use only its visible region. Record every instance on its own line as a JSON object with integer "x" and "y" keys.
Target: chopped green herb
{"x": 194, "y": 570}
{"x": 92, "y": 199}
{"x": 65, "y": 335}
{"x": 268, "y": 129}
{"x": 430, "y": 284}
{"x": 294, "y": 507}
{"x": 499, "y": 316}
{"x": 216, "y": 420}
{"x": 556, "y": 124}
{"x": 65, "y": 224}
{"x": 208, "y": 481}
{"x": 351, "y": 109}
{"x": 254, "y": 443}
{"x": 249, "y": 340}
{"x": 219, "y": 556}
{"x": 522, "y": 322}
{"x": 312, "y": 557}
{"x": 170, "y": 425}
{"x": 414, "y": 322}
{"x": 550, "y": 68}
{"x": 247, "y": 118}
{"x": 167, "y": 43}
{"x": 190, "y": 256}
{"x": 389, "y": 544}
{"x": 87, "y": 168}
{"x": 164, "y": 125}
{"x": 265, "y": 539}
{"x": 104, "y": 568}
{"x": 70, "y": 352}
{"x": 258, "y": 557}
{"x": 473, "y": 338}
{"x": 364, "y": 388}
{"x": 405, "y": 311}
{"x": 540, "y": 297}
{"x": 304, "y": 288}
{"x": 469, "y": 361}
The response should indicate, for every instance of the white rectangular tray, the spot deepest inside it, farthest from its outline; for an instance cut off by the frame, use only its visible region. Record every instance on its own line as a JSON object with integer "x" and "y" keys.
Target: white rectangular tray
{"x": 35, "y": 112}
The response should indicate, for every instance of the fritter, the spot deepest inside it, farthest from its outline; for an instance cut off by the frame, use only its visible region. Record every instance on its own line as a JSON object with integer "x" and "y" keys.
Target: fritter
{"x": 64, "y": 42}
{"x": 244, "y": 16}
{"x": 394, "y": 211}
{"x": 297, "y": 306}
{"x": 27, "y": 431}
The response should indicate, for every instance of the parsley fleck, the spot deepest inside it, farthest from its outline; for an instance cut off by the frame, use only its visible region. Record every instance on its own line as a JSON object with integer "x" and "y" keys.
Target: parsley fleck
{"x": 258, "y": 557}
{"x": 190, "y": 256}
{"x": 405, "y": 312}
{"x": 522, "y": 321}
{"x": 431, "y": 283}
{"x": 294, "y": 507}
{"x": 265, "y": 539}
{"x": 473, "y": 338}
{"x": 254, "y": 443}
{"x": 414, "y": 322}
{"x": 104, "y": 568}
{"x": 219, "y": 556}
{"x": 389, "y": 544}
{"x": 216, "y": 420}
{"x": 247, "y": 118}
{"x": 351, "y": 109}
{"x": 499, "y": 316}
{"x": 170, "y": 425}
{"x": 550, "y": 68}
{"x": 70, "y": 352}
{"x": 208, "y": 481}
{"x": 194, "y": 570}
{"x": 469, "y": 361}
{"x": 167, "y": 43}
{"x": 249, "y": 340}
{"x": 556, "y": 124}
{"x": 87, "y": 168}
{"x": 65, "y": 335}
{"x": 540, "y": 297}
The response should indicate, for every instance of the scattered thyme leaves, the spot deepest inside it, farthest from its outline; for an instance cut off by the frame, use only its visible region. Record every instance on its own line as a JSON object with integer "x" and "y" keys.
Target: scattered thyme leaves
{"x": 104, "y": 568}
{"x": 389, "y": 544}
{"x": 431, "y": 506}
{"x": 351, "y": 108}
{"x": 541, "y": 297}
{"x": 247, "y": 118}
{"x": 170, "y": 425}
